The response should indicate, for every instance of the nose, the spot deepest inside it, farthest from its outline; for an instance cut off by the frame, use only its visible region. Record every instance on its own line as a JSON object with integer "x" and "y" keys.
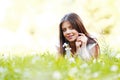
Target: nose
{"x": 68, "y": 31}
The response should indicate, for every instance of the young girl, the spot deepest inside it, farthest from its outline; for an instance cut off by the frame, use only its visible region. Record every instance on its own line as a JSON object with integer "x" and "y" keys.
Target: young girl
{"x": 80, "y": 42}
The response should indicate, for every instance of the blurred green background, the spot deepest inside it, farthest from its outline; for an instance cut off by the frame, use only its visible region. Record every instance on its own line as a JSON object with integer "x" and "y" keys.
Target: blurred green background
{"x": 33, "y": 24}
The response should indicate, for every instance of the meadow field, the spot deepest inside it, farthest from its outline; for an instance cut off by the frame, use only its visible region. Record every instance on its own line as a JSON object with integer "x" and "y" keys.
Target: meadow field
{"x": 29, "y": 33}
{"x": 37, "y": 66}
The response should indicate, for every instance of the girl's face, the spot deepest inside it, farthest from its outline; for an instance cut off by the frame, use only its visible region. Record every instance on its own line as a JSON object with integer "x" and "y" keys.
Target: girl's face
{"x": 69, "y": 32}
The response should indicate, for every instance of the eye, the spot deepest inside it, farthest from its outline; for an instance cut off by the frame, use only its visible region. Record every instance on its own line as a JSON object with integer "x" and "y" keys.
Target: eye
{"x": 64, "y": 29}
{"x": 71, "y": 27}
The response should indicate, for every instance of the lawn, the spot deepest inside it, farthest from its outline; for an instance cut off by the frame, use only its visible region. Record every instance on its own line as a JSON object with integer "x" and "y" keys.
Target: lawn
{"x": 47, "y": 67}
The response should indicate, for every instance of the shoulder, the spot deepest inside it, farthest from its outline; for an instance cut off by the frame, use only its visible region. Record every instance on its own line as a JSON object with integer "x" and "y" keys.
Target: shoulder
{"x": 92, "y": 45}
{"x": 93, "y": 36}
{"x": 93, "y": 41}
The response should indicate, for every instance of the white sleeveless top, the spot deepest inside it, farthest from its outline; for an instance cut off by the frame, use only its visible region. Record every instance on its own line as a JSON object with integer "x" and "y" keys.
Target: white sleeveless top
{"x": 85, "y": 55}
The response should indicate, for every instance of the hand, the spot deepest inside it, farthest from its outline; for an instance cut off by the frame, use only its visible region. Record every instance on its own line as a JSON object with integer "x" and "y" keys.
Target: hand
{"x": 81, "y": 40}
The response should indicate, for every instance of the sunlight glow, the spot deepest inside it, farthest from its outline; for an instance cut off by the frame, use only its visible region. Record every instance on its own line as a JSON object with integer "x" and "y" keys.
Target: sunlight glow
{"x": 34, "y": 24}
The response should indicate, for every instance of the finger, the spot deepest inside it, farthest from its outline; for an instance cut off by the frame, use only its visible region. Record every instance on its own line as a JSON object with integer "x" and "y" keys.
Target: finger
{"x": 81, "y": 34}
{"x": 78, "y": 44}
{"x": 79, "y": 40}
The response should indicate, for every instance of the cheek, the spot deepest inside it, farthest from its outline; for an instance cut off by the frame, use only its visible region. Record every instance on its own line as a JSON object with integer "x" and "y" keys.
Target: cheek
{"x": 76, "y": 33}
{"x": 64, "y": 34}
{"x": 76, "y": 36}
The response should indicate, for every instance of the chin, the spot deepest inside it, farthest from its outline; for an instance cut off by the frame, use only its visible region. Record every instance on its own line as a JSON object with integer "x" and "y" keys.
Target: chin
{"x": 71, "y": 40}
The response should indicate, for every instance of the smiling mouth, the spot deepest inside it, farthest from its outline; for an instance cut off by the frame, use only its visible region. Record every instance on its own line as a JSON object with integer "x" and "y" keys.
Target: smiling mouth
{"x": 69, "y": 37}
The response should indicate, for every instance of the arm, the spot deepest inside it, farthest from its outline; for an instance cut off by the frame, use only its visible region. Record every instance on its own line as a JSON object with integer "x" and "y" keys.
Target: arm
{"x": 94, "y": 51}
{"x": 86, "y": 51}
{"x": 81, "y": 47}
{"x": 83, "y": 53}
{"x": 87, "y": 54}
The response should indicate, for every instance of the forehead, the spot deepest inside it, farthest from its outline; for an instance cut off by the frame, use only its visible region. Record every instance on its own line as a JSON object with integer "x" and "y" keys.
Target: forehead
{"x": 66, "y": 24}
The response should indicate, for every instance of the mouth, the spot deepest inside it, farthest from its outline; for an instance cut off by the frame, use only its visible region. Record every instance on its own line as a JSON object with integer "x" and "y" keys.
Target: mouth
{"x": 70, "y": 37}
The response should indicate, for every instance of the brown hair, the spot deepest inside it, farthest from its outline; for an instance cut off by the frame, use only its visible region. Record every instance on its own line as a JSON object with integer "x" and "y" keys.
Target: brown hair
{"x": 76, "y": 22}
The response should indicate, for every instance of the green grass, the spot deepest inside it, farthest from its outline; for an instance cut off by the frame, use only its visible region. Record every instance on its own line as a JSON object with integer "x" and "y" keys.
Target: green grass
{"x": 48, "y": 67}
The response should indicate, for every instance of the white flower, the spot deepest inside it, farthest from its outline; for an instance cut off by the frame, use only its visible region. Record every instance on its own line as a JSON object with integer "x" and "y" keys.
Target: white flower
{"x": 34, "y": 59}
{"x": 2, "y": 70}
{"x": 117, "y": 56}
{"x": 96, "y": 74}
{"x": 65, "y": 45}
{"x": 71, "y": 60}
{"x": 99, "y": 60}
{"x": 26, "y": 73}
{"x": 94, "y": 61}
{"x": 5, "y": 56}
{"x": 103, "y": 63}
{"x": 85, "y": 65}
{"x": 33, "y": 53}
{"x": 73, "y": 71}
{"x": 56, "y": 75}
{"x": 17, "y": 70}
{"x": 87, "y": 71}
{"x": 67, "y": 49}
{"x": 114, "y": 68}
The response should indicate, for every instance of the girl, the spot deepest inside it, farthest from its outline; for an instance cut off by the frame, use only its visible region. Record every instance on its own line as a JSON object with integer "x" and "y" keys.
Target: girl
{"x": 80, "y": 42}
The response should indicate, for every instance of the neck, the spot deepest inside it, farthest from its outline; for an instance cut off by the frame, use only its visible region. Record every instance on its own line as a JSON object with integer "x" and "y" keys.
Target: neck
{"x": 73, "y": 47}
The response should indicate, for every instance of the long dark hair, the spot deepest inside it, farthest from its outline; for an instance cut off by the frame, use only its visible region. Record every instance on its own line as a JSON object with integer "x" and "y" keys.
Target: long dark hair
{"x": 76, "y": 22}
